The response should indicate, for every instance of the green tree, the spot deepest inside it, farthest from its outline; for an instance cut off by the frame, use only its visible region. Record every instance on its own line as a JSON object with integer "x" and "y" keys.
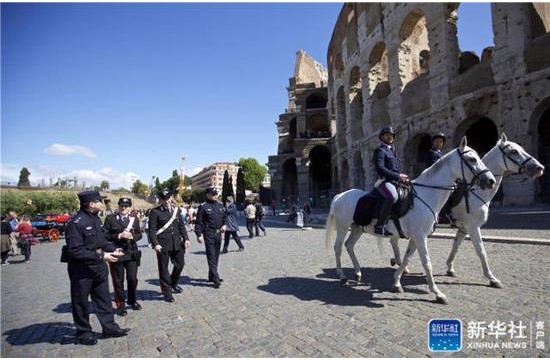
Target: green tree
{"x": 139, "y": 188}
{"x": 254, "y": 173}
{"x": 240, "y": 189}
{"x": 24, "y": 178}
{"x": 105, "y": 185}
{"x": 225, "y": 186}
{"x": 158, "y": 187}
{"x": 231, "y": 191}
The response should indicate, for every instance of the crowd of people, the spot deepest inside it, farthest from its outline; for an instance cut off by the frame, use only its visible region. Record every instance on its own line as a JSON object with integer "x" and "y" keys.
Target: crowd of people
{"x": 17, "y": 237}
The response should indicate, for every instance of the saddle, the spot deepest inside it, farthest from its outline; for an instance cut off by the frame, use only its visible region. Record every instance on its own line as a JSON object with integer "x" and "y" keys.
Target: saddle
{"x": 368, "y": 206}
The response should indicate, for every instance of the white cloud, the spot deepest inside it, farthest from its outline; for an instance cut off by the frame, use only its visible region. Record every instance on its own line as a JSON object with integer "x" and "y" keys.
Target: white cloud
{"x": 115, "y": 178}
{"x": 195, "y": 171}
{"x": 10, "y": 174}
{"x": 63, "y": 150}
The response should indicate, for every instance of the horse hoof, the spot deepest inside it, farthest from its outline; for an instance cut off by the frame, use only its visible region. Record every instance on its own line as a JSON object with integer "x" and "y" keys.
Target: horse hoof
{"x": 496, "y": 284}
{"x": 397, "y": 289}
{"x": 451, "y": 273}
{"x": 392, "y": 262}
{"x": 441, "y": 300}
{"x": 358, "y": 278}
{"x": 343, "y": 281}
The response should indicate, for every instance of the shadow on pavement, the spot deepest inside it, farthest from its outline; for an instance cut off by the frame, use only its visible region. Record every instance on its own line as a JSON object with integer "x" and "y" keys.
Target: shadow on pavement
{"x": 184, "y": 280}
{"x": 328, "y": 292}
{"x": 62, "y": 333}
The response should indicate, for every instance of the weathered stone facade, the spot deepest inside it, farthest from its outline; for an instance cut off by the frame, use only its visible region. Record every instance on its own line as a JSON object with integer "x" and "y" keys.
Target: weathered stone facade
{"x": 400, "y": 64}
{"x": 301, "y": 169}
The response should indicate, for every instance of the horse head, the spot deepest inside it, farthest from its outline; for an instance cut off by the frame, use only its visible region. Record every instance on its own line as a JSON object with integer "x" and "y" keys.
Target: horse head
{"x": 472, "y": 168}
{"x": 516, "y": 159}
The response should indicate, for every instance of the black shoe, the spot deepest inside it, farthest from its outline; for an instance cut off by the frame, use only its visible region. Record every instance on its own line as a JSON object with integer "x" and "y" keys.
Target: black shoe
{"x": 224, "y": 251}
{"x": 169, "y": 298}
{"x": 121, "y": 311}
{"x": 136, "y": 306}
{"x": 176, "y": 289}
{"x": 241, "y": 249}
{"x": 116, "y": 333}
{"x": 88, "y": 340}
{"x": 217, "y": 284}
{"x": 213, "y": 281}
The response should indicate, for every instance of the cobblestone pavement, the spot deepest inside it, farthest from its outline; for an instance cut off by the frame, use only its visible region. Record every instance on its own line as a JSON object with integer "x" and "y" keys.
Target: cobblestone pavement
{"x": 281, "y": 298}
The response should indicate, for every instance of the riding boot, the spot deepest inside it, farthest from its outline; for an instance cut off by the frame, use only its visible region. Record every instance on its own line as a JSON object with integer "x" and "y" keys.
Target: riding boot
{"x": 385, "y": 211}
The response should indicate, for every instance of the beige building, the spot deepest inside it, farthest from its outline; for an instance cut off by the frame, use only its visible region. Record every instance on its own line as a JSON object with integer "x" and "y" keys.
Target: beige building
{"x": 213, "y": 175}
{"x": 400, "y": 64}
{"x": 301, "y": 170}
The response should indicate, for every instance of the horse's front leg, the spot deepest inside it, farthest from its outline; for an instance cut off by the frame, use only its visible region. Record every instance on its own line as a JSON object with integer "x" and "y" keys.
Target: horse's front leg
{"x": 460, "y": 235}
{"x": 355, "y": 234}
{"x": 396, "y": 260}
{"x": 422, "y": 246}
{"x": 475, "y": 235}
{"x": 399, "y": 272}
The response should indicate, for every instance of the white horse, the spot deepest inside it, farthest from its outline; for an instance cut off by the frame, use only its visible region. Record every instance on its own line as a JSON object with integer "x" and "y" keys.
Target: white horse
{"x": 432, "y": 188}
{"x": 505, "y": 156}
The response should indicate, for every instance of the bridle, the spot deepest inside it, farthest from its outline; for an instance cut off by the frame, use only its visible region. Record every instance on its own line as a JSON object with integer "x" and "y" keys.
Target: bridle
{"x": 505, "y": 156}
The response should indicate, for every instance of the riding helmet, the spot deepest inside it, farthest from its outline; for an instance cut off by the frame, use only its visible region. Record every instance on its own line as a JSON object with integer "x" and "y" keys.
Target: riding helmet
{"x": 440, "y": 135}
{"x": 386, "y": 130}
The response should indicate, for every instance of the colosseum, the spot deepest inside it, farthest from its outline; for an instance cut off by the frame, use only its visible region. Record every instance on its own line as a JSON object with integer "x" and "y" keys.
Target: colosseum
{"x": 400, "y": 64}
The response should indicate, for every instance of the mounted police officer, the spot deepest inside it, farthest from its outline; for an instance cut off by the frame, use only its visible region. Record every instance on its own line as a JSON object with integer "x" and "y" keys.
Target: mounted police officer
{"x": 387, "y": 165}
{"x": 209, "y": 226}
{"x": 435, "y": 153}
{"x": 87, "y": 252}
{"x": 169, "y": 239}
{"x": 123, "y": 230}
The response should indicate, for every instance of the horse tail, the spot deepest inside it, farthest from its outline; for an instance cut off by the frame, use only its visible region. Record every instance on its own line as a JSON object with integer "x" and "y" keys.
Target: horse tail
{"x": 330, "y": 227}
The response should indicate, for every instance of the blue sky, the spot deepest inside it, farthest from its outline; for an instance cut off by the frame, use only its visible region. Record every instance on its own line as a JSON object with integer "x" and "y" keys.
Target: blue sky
{"x": 119, "y": 91}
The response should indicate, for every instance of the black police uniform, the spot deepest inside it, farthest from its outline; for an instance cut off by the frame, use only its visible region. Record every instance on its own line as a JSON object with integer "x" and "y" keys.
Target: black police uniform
{"x": 211, "y": 216}
{"x": 173, "y": 246}
{"x": 86, "y": 243}
{"x": 432, "y": 156}
{"x": 114, "y": 225}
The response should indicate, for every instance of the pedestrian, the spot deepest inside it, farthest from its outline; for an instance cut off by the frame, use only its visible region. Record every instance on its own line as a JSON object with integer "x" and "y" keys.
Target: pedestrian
{"x": 5, "y": 242}
{"x": 209, "y": 225}
{"x": 259, "y": 217}
{"x": 307, "y": 213}
{"x": 387, "y": 165}
{"x": 232, "y": 227}
{"x": 24, "y": 237}
{"x": 88, "y": 251}
{"x": 169, "y": 239}
{"x": 293, "y": 213}
{"x": 250, "y": 211}
{"x": 435, "y": 153}
{"x": 13, "y": 221}
{"x": 274, "y": 207}
{"x": 123, "y": 230}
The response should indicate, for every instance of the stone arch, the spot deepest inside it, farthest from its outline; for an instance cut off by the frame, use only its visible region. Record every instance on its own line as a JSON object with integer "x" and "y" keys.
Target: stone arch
{"x": 380, "y": 116}
{"x": 339, "y": 65}
{"x": 356, "y": 104}
{"x": 414, "y": 40}
{"x": 341, "y": 121}
{"x": 319, "y": 169}
{"x": 316, "y": 100}
{"x": 317, "y": 126}
{"x": 467, "y": 60}
{"x": 359, "y": 172}
{"x": 481, "y": 132}
{"x": 289, "y": 186}
{"x": 540, "y": 123}
{"x": 379, "y": 71}
{"x": 539, "y": 19}
{"x": 416, "y": 152}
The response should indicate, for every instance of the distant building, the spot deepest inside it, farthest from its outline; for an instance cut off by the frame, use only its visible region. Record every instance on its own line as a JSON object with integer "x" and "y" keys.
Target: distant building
{"x": 213, "y": 175}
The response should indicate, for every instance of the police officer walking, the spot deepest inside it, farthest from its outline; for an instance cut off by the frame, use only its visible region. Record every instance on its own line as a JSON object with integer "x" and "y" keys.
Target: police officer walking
{"x": 209, "y": 226}
{"x": 169, "y": 239}
{"x": 435, "y": 153}
{"x": 123, "y": 230}
{"x": 387, "y": 165}
{"x": 87, "y": 251}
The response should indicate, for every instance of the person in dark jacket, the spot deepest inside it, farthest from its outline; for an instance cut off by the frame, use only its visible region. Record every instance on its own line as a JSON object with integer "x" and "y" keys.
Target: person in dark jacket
{"x": 259, "y": 218}
{"x": 169, "y": 239}
{"x": 88, "y": 251}
{"x": 435, "y": 153}
{"x": 123, "y": 230}
{"x": 210, "y": 224}
{"x": 232, "y": 227}
{"x": 5, "y": 242}
{"x": 388, "y": 166}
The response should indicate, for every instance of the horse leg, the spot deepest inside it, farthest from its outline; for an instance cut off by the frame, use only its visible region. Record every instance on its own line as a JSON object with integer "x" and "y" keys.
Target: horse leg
{"x": 427, "y": 264}
{"x": 460, "y": 235}
{"x": 355, "y": 234}
{"x": 396, "y": 260}
{"x": 475, "y": 235}
{"x": 340, "y": 236}
{"x": 399, "y": 272}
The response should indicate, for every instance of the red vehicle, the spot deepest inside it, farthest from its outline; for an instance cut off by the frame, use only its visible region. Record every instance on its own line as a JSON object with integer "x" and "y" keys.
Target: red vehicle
{"x": 49, "y": 227}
